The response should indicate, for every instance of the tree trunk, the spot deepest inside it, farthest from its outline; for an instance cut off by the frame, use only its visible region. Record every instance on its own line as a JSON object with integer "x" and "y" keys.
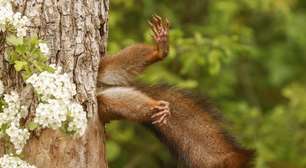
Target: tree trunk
{"x": 76, "y": 33}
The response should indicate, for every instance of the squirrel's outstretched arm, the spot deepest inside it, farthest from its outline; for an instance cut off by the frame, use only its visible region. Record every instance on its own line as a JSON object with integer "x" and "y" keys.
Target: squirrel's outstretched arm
{"x": 121, "y": 68}
{"x": 128, "y": 103}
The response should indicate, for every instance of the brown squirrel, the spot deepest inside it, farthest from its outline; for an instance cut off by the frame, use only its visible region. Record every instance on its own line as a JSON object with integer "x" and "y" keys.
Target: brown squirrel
{"x": 192, "y": 131}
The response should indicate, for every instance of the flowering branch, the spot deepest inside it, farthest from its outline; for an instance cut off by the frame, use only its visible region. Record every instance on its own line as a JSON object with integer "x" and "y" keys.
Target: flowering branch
{"x": 55, "y": 90}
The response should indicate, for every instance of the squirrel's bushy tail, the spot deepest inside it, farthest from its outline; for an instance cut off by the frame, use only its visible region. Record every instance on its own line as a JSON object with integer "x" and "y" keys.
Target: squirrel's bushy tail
{"x": 194, "y": 132}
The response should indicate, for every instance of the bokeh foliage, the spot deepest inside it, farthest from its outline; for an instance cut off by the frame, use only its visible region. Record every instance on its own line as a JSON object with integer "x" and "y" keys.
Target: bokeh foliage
{"x": 248, "y": 55}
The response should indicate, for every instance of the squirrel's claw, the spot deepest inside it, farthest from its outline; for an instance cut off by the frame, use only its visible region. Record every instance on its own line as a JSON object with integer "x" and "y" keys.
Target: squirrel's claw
{"x": 160, "y": 28}
{"x": 161, "y": 120}
{"x": 162, "y": 113}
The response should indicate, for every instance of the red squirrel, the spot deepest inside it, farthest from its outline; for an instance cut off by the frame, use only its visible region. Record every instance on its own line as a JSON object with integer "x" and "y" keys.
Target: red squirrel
{"x": 188, "y": 127}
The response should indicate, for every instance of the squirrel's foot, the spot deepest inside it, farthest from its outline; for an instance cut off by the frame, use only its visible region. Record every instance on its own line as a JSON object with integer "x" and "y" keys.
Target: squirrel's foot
{"x": 160, "y": 30}
{"x": 162, "y": 113}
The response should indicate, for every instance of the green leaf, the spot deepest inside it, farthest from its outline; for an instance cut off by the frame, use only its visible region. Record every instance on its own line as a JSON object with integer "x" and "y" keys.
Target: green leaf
{"x": 33, "y": 41}
{"x": 113, "y": 150}
{"x": 32, "y": 126}
{"x": 3, "y": 128}
{"x": 49, "y": 69}
{"x": 214, "y": 61}
{"x": 11, "y": 56}
{"x": 13, "y": 40}
{"x": 27, "y": 73}
{"x": 19, "y": 65}
{"x": 21, "y": 49}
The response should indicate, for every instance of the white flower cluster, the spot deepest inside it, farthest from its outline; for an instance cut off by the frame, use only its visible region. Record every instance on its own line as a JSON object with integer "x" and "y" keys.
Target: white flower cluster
{"x": 56, "y": 91}
{"x": 9, "y": 161}
{"x": 11, "y": 115}
{"x": 8, "y": 17}
{"x": 13, "y": 110}
{"x": 53, "y": 85}
{"x": 18, "y": 136}
{"x": 79, "y": 120}
{"x": 51, "y": 114}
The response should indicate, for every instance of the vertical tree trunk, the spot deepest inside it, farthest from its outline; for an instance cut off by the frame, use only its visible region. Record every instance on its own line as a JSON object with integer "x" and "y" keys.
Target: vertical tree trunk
{"x": 76, "y": 33}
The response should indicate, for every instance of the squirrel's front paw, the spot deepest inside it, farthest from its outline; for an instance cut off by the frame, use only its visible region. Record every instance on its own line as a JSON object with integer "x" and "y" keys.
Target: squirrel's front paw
{"x": 162, "y": 113}
{"x": 160, "y": 28}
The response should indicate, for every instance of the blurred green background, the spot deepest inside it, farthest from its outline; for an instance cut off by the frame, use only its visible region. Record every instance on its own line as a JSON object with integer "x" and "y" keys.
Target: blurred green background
{"x": 247, "y": 55}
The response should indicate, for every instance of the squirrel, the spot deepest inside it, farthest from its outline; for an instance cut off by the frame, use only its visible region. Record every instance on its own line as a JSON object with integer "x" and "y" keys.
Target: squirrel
{"x": 189, "y": 127}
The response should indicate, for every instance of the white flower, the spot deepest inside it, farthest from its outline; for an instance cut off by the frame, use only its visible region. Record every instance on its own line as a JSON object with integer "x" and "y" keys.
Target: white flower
{"x": 13, "y": 109}
{"x": 18, "y": 136}
{"x": 20, "y": 23}
{"x": 11, "y": 98}
{"x": 21, "y": 32}
{"x": 57, "y": 111}
{"x": 56, "y": 91}
{"x": 53, "y": 85}
{"x": 78, "y": 124}
{"x": 9, "y": 161}
{"x": 8, "y": 17}
{"x": 51, "y": 114}
{"x": 6, "y": 13}
{"x": 44, "y": 48}
{"x": 11, "y": 115}
{"x": 1, "y": 88}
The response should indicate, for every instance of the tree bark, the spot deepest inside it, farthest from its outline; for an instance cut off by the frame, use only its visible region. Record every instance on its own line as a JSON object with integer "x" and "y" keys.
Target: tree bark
{"x": 76, "y": 32}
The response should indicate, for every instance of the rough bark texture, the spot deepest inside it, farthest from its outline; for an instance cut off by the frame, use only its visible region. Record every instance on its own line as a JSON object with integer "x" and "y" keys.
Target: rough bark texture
{"x": 76, "y": 32}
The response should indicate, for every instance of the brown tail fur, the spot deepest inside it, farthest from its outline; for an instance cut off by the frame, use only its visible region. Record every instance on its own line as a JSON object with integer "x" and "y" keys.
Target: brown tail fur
{"x": 194, "y": 133}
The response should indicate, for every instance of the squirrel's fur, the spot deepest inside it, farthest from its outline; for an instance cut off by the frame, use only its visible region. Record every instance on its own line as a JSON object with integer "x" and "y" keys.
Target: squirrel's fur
{"x": 188, "y": 126}
{"x": 194, "y": 131}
